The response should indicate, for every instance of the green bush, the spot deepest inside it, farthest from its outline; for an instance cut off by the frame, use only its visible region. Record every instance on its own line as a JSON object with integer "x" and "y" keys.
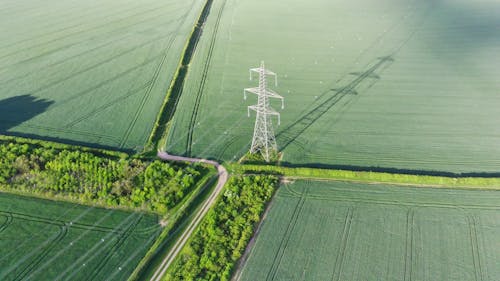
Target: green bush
{"x": 35, "y": 167}
{"x": 225, "y": 231}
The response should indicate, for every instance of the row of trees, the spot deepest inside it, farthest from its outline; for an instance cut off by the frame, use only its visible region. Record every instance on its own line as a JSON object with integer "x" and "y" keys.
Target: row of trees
{"x": 225, "y": 231}
{"x": 115, "y": 181}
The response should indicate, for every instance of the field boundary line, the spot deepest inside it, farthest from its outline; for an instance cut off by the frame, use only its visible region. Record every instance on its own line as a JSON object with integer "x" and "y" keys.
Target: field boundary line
{"x": 392, "y": 203}
{"x": 154, "y": 79}
{"x": 175, "y": 88}
{"x": 252, "y": 243}
{"x": 467, "y": 181}
{"x": 422, "y": 185}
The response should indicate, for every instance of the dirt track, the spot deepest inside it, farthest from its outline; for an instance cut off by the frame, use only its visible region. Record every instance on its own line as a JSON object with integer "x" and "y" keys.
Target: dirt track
{"x": 223, "y": 176}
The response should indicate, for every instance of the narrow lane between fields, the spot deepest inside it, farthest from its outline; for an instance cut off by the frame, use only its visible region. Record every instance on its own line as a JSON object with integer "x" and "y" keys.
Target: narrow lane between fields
{"x": 206, "y": 205}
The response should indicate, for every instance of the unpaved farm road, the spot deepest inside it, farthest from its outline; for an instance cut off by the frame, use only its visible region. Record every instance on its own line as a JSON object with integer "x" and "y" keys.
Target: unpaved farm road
{"x": 223, "y": 176}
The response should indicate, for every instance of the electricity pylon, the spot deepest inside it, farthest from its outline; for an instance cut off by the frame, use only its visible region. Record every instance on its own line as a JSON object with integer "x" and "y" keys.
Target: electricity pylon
{"x": 263, "y": 140}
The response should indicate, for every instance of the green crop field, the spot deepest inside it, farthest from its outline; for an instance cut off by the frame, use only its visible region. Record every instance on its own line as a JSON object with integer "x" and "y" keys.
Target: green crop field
{"x": 346, "y": 231}
{"x": 92, "y": 72}
{"x": 46, "y": 240}
{"x": 375, "y": 83}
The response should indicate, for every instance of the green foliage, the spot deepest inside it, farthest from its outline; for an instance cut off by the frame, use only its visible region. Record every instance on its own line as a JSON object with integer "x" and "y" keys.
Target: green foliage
{"x": 225, "y": 231}
{"x": 155, "y": 186}
{"x": 310, "y": 173}
{"x": 257, "y": 158}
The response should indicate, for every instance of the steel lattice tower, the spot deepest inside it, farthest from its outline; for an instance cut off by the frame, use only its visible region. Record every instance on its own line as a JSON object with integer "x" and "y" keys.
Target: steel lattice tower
{"x": 263, "y": 140}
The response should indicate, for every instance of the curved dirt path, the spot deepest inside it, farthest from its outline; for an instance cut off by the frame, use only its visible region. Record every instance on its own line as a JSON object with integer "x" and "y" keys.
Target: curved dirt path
{"x": 223, "y": 176}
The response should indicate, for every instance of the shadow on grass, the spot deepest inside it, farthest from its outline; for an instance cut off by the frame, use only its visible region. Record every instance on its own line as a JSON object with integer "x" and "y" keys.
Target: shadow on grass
{"x": 16, "y": 110}
{"x": 344, "y": 93}
{"x": 19, "y": 109}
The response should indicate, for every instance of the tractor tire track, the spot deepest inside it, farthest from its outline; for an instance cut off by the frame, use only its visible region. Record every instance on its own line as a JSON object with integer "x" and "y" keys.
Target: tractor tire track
{"x": 104, "y": 25}
{"x": 7, "y": 222}
{"x": 339, "y": 261}
{"x": 69, "y": 46}
{"x": 476, "y": 257}
{"x": 90, "y": 50}
{"x": 271, "y": 275}
{"x": 69, "y": 13}
{"x": 63, "y": 231}
{"x": 108, "y": 105}
{"x": 58, "y": 222}
{"x": 121, "y": 240}
{"x": 145, "y": 97}
{"x": 199, "y": 94}
{"x": 96, "y": 86}
{"x": 155, "y": 78}
{"x": 96, "y": 249}
{"x": 410, "y": 223}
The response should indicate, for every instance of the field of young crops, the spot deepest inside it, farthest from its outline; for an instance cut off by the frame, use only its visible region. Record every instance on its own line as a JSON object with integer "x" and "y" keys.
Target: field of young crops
{"x": 93, "y": 72}
{"x": 348, "y": 231}
{"x": 395, "y": 84}
{"x": 45, "y": 240}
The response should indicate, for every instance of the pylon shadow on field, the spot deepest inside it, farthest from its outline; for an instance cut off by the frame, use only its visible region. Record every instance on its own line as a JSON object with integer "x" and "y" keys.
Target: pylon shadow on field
{"x": 19, "y": 109}
{"x": 345, "y": 93}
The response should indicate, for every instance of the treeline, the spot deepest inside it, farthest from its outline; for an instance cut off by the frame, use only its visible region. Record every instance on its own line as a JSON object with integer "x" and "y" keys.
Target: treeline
{"x": 225, "y": 231}
{"x": 113, "y": 180}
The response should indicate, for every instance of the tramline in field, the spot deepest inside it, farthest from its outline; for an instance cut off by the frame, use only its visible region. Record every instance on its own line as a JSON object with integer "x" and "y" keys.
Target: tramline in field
{"x": 401, "y": 85}
{"x": 47, "y": 240}
{"x": 347, "y": 231}
{"x": 89, "y": 72}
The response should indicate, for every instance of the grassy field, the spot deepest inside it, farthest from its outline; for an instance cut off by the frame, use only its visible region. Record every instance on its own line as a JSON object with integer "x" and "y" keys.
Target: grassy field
{"x": 395, "y": 84}
{"x": 46, "y": 240}
{"x": 346, "y": 231}
{"x": 92, "y": 72}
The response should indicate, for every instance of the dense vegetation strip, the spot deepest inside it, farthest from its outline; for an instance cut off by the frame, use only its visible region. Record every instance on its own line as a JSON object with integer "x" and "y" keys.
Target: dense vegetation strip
{"x": 175, "y": 222}
{"x": 367, "y": 176}
{"x": 94, "y": 176}
{"x": 224, "y": 233}
{"x": 174, "y": 92}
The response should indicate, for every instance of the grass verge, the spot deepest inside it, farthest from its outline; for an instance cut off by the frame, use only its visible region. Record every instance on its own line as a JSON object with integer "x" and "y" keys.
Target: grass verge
{"x": 370, "y": 177}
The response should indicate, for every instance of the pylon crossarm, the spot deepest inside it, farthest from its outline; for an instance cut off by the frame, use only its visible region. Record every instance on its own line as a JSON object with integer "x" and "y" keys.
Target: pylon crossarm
{"x": 273, "y": 94}
{"x": 271, "y": 111}
{"x": 252, "y": 90}
{"x": 252, "y": 107}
